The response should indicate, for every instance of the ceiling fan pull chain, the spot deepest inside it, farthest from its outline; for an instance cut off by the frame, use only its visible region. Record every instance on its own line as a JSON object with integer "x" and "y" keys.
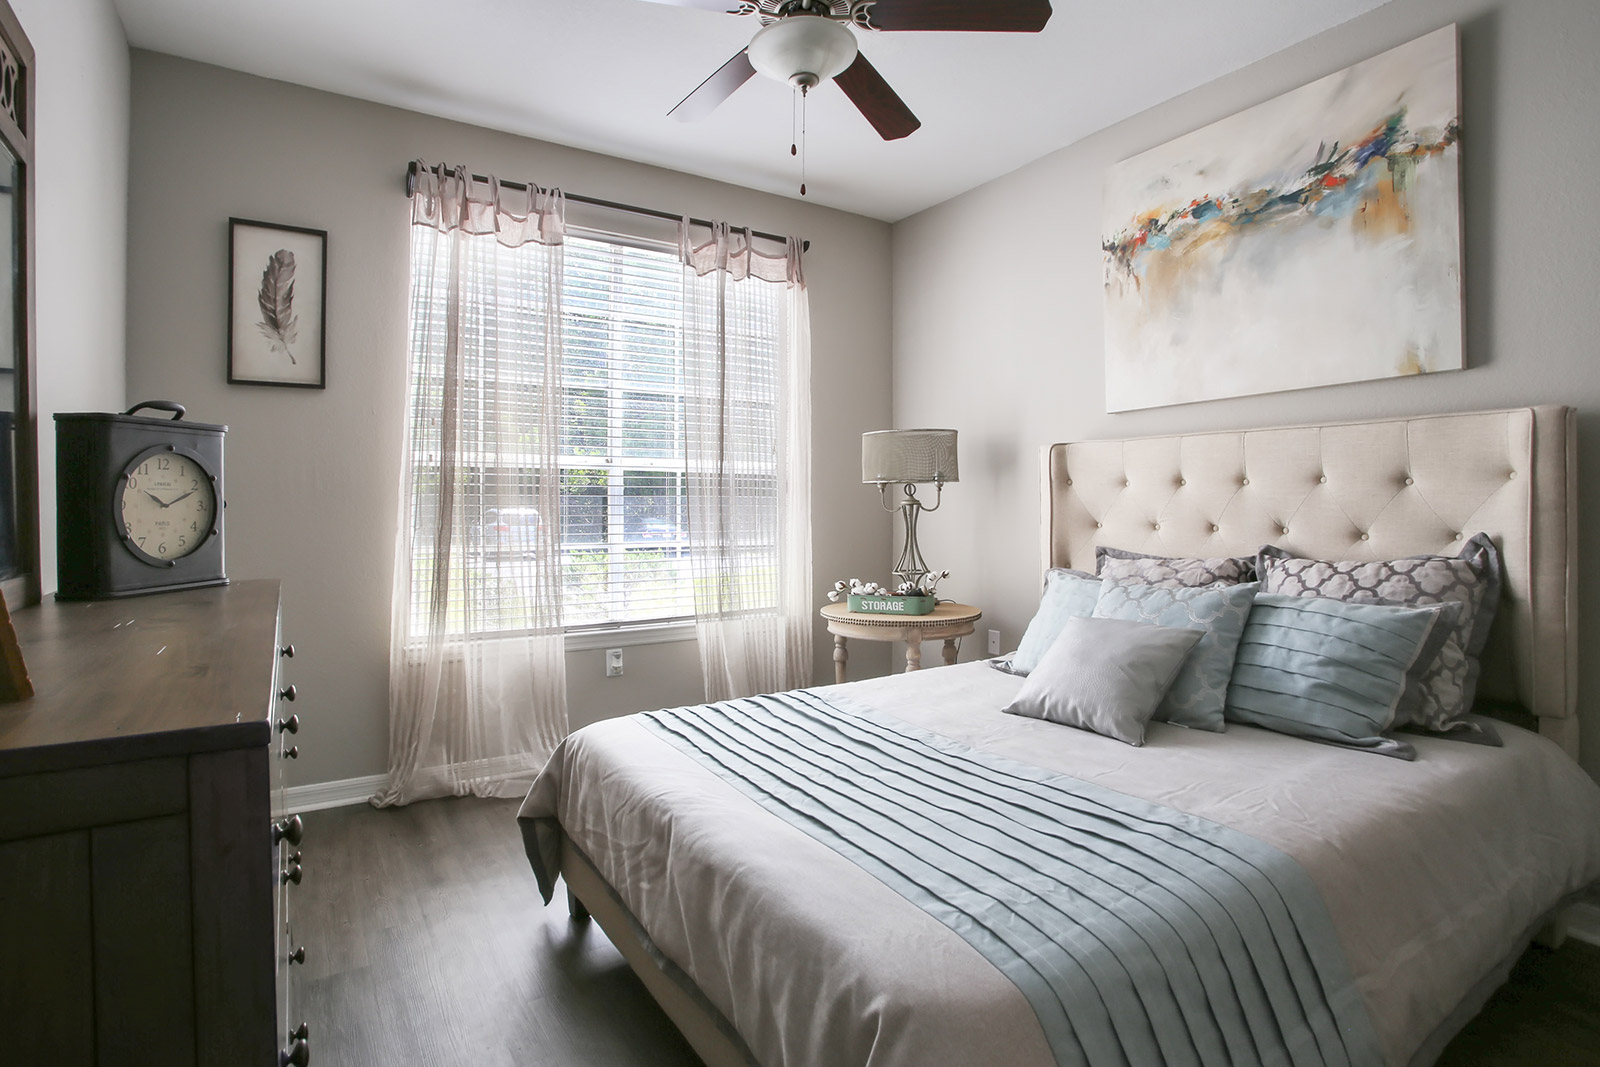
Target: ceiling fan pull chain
{"x": 804, "y": 96}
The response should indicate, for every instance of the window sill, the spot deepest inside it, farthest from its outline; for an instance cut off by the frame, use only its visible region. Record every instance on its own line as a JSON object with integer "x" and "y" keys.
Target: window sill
{"x": 622, "y": 636}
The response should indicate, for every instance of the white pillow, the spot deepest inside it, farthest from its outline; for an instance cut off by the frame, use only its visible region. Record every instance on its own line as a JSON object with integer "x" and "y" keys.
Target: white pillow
{"x": 1105, "y": 675}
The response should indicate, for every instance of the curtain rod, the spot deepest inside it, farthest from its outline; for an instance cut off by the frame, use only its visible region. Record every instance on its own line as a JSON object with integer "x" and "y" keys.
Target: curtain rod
{"x": 411, "y": 188}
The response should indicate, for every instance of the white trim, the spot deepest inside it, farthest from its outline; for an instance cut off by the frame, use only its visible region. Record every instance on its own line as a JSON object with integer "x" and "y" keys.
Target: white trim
{"x": 1583, "y": 922}
{"x": 619, "y": 636}
{"x": 320, "y": 795}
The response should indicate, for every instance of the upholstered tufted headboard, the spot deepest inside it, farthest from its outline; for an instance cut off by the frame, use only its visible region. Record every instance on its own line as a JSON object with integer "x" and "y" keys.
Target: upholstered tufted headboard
{"x": 1358, "y": 490}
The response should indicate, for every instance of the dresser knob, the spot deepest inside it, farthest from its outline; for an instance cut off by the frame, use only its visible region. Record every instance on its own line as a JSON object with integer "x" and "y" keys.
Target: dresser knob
{"x": 296, "y": 1055}
{"x": 286, "y": 651}
{"x": 287, "y": 693}
{"x": 292, "y": 752}
{"x": 290, "y": 829}
{"x": 291, "y": 725}
{"x": 300, "y": 1033}
{"x": 296, "y": 857}
{"x": 298, "y": 955}
{"x": 293, "y": 874}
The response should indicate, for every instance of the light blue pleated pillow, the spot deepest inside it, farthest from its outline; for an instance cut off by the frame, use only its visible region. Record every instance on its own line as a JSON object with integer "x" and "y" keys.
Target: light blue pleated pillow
{"x": 1329, "y": 670}
{"x": 1067, "y": 595}
{"x": 1200, "y": 691}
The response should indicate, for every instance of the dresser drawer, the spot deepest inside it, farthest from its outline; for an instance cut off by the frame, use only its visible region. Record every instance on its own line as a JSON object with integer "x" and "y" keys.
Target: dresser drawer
{"x": 138, "y": 864}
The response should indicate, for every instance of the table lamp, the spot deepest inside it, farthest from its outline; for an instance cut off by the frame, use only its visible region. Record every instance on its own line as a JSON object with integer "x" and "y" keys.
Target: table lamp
{"x": 907, "y": 458}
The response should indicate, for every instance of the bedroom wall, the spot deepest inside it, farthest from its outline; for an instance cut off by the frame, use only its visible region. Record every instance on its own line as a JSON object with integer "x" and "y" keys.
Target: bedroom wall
{"x": 81, "y": 202}
{"x": 997, "y": 293}
{"x": 313, "y": 476}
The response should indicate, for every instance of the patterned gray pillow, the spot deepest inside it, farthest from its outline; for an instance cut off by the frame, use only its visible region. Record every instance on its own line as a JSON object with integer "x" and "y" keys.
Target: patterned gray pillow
{"x": 1181, "y": 572}
{"x": 1442, "y": 694}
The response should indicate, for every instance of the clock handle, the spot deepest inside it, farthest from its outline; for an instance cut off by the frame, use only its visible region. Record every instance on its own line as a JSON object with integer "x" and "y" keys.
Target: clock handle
{"x": 173, "y": 406}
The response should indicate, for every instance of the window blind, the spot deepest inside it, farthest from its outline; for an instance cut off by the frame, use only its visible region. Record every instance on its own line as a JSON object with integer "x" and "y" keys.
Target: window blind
{"x": 624, "y": 507}
{"x": 623, "y": 536}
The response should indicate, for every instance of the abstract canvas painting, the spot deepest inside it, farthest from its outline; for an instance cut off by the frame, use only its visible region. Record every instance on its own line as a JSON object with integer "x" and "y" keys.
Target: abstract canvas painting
{"x": 1312, "y": 239}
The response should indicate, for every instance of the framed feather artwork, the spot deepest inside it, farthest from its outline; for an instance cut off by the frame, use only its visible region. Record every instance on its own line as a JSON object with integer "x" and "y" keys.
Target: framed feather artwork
{"x": 277, "y": 300}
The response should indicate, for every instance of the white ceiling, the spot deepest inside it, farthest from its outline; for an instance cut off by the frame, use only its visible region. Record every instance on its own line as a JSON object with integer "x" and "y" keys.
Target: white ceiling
{"x": 602, "y": 74}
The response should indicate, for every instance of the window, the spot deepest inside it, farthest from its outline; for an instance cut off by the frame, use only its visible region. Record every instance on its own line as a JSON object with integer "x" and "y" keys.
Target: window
{"x": 624, "y": 508}
{"x": 622, "y": 542}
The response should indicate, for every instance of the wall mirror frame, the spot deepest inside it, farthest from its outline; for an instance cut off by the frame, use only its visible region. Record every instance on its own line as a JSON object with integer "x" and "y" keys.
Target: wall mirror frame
{"x": 19, "y": 471}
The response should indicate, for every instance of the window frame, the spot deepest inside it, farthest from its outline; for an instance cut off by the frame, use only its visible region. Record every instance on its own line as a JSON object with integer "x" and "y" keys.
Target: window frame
{"x": 617, "y": 468}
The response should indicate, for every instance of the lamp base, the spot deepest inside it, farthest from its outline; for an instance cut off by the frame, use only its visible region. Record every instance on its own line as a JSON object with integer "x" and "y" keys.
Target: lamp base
{"x": 910, "y": 567}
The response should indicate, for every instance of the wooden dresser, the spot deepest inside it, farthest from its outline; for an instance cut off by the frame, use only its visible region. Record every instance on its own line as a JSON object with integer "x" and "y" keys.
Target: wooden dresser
{"x": 144, "y": 887}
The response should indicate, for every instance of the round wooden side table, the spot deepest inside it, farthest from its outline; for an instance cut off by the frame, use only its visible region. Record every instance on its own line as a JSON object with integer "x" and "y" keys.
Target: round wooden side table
{"x": 947, "y": 621}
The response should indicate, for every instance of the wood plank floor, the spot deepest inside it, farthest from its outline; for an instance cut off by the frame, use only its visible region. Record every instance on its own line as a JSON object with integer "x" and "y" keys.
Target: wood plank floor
{"x": 426, "y": 942}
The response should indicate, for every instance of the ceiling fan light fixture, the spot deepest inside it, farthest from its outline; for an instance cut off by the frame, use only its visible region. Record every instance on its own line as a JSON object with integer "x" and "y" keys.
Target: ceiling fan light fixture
{"x": 803, "y": 50}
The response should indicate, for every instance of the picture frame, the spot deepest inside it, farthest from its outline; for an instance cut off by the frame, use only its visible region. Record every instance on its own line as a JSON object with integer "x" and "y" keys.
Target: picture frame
{"x": 1313, "y": 239}
{"x": 277, "y": 305}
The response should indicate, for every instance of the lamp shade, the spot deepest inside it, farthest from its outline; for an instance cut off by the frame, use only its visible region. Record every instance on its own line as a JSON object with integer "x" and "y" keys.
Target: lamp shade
{"x": 909, "y": 456}
{"x": 805, "y": 50}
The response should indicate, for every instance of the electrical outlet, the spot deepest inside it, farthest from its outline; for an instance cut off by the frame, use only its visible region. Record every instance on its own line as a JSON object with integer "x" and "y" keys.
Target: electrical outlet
{"x": 613, "y": 663}
{"x": 994, "y": 642}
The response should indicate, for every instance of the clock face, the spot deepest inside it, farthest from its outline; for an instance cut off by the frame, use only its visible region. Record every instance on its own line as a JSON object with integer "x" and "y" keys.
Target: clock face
{"x": 168, "y": 505}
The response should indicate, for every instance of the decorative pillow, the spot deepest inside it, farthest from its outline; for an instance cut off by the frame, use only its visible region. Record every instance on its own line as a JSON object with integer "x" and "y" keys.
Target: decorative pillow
{"x": 1200, "y": 691}
{"x": 1326, "y": 669}
{"x": 1443, "y": 691}
{"x": 1067, "y": 595}
{"x": 1120, "y": 565}
{"x": 1104, "y": 675}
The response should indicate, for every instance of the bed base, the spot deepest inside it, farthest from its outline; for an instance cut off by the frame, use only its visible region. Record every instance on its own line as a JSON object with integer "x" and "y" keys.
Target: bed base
{"x": 588, "y": 896}
{"x": 704, "y": 1030}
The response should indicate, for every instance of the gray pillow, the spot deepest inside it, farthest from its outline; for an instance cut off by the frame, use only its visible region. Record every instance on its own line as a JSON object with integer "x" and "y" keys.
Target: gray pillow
{"x": 1067, "y": 595}
{"x": 1105, "y": 675}
{"x": 1120, "y": 565}
{"x": 1443, "y": 691}
{"x": 1326, "y": 669}
{"x": 1218, "y": 613}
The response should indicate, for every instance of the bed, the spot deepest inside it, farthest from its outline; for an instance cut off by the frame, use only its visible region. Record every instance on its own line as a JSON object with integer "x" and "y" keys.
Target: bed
{"x": 1396, "y": 895}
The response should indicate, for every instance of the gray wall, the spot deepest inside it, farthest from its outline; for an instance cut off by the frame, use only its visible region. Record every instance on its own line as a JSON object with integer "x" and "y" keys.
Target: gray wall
{"x": 313, "y": 476}
{"x": 997, "y": 293}
{"x": 81, "y": 200}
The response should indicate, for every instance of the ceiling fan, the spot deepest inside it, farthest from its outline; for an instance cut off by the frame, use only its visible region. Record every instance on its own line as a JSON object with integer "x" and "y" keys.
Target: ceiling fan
{"x": 808, "y": 42}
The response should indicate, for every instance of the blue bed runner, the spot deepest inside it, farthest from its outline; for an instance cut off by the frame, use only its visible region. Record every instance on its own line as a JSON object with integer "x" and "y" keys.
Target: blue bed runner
{"x": 1140, "y": 935}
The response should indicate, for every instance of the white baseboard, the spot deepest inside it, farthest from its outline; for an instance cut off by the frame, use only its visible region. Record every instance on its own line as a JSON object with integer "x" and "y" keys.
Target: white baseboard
{"x": 320, "y": 795}
{"x": 1583, "y": 922}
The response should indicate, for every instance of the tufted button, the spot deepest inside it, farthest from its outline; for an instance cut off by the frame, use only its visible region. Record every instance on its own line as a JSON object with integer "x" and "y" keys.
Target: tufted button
{"x": 1069, "y": 481}
{"x": 1364, "y": 537}
{"x": 1183, "y": 481}
{"x": 1410, "y": 482}
{"x": 1155, "y": 526}
{"x": 1283, "y": 529}
{"x": 1097, "y": 526}
{"x": 1127, "y": 485}
{"x": 1215, "y": 528}
{"x": 1513, "y": 474}
{"x": 1459, "y": 536}
{"x": 1322, "y": 480}
{"x": 1244, "y": 481}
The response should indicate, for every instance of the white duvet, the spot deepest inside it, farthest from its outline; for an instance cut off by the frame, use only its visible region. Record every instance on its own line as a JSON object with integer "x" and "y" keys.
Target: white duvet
{"x": 1434, "y": 872}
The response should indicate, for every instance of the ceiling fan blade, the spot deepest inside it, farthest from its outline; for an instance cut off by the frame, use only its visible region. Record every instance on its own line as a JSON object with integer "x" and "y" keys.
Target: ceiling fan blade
{"x": 991, "y": 16}
{"x": 881, "y": 105}
{"x": 715, "y": 89}
{"x": 729, "y": 7}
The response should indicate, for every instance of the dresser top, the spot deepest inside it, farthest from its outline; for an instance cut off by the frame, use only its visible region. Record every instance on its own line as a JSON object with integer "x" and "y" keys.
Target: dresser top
{"x": 190, "y": 671}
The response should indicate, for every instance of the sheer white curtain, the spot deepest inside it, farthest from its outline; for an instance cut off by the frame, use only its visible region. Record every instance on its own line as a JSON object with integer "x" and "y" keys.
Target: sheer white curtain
{"x": 477, "y": 671}
{"x": 747, "y": 408}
